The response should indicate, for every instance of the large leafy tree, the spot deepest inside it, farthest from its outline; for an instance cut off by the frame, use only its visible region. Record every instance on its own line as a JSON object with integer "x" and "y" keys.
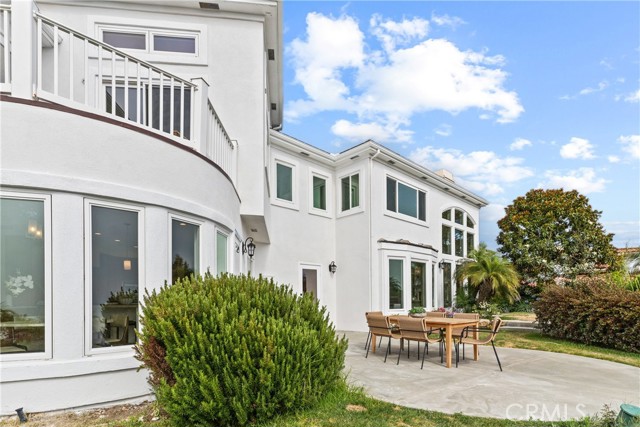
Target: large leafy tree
{"x": 550, "y": 234}
{"x": 490, "y": 275}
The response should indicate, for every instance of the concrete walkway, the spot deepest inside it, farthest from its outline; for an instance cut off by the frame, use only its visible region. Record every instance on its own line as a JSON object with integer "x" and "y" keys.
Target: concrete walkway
{"x": 534, "y": 384}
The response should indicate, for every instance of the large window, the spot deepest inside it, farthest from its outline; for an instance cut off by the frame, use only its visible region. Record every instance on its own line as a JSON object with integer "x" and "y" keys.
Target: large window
{"x": 446, "y": 240}
{"x": 23, "y": 283}
{"x": 319, "y": 193}
{"x": 221, "y": 253}
{"x": 459, "y": 241}
{"x": 284, "y": 182}
{"x": 446, "y": 284}
{"x": 114, "y": 276}
{"x": 406, "y": 200}
{"x": 185, "y": 249}
{"x": 350, "y": 192}
{"x": 151, "y": 40}
{"x": 396, "y": 284}
{"x": 459, "y": 231}
{"x": 418, "y": 284}
{"x": 144, "y": 107}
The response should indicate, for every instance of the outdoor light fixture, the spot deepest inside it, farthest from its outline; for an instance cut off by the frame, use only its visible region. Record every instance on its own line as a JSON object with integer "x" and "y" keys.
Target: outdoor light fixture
{"x": 21, "y": 416}
{"x": 333, "y": 267}
{"x": 441, "y": 264}
{"x": 249, "y": 247}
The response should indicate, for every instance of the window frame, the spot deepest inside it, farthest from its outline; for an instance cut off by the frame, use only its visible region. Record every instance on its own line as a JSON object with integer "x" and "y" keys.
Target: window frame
{"x": 190, "y": 221}
{"x": 361, "y": 201}
{"x": 150, "y": 28}
{"x": 275, "y": 200}
{"x": 403, "y": 216}
{"x": 219, "y": 231}
{"x": 48, "y": 291}
{"x": 453, "y": 225}
{"x": 88, "y": 271}
{"x": 328, "y": 195}
{"x": 407, "y": 258}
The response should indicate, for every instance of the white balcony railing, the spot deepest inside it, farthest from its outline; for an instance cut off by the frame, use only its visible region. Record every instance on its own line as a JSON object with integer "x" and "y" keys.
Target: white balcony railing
{"x": 81, "y": 72}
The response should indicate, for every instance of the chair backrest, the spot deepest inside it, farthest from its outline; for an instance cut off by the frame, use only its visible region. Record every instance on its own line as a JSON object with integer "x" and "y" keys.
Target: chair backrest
{"x": 379, "y": 325}
{"x": 368, "y": 313}
{"x": 496, "y": 324}
{"x": 412, "y": 328}
{"x": 474, "y": 316}
{"x": 435, "y": 313}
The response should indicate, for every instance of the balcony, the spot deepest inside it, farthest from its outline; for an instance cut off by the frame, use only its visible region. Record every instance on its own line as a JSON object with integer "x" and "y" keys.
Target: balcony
{"x": 43, "y": 60}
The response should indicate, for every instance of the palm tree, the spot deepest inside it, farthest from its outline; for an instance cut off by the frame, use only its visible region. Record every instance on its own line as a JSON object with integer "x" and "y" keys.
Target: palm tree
{"x": 490, "y": 274}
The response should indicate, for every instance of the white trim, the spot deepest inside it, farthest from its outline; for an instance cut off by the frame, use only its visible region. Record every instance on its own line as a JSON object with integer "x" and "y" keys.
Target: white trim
{"x": 361, "y": 199}
{"x": 88, "y": 268}
{"x": 151, "y": 28}
{"x": 219, "y": 231}
{"x": 293, "y": 165}
{"x": 48, "y": 320}
{"x": 319, "y": 283}
{"x": 328, "y": 195}
{"x": 186, "y": 220}
{"x": 402, "y": 216}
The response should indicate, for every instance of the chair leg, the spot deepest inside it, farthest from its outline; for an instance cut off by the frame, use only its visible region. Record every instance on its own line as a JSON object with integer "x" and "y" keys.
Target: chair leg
{"x": 388, "y": 352}
{"x": 497, "y": 358}
{"x": 369, "y": 346}
{"x": 457, "y": 348}
{"x": 462, "y": 351}
{"x": 424, "y": 353}
{"x": 408, "y": 349}
{"x": 366, "y": 343}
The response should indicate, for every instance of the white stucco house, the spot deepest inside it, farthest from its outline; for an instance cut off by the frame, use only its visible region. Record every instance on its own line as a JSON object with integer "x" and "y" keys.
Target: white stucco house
{"x": 143, "y": 139}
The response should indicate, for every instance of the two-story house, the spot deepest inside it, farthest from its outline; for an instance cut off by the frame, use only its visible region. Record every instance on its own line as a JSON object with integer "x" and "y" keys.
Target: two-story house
{"x": 140, "y": 141}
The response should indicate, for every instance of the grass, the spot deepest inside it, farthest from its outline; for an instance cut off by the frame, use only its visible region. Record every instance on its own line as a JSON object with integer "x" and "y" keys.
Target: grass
{"x": 518, "y": 315}
{"x": 537, "y": 341}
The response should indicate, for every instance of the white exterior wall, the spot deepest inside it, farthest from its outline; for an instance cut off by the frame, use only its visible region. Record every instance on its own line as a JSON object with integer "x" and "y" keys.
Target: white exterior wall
{"x": 71, "y": 159}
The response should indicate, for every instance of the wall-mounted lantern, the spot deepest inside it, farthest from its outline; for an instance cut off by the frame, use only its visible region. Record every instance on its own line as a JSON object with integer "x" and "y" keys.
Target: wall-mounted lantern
{"x": 249, "y": 247}
{"x": 333, "y": 267}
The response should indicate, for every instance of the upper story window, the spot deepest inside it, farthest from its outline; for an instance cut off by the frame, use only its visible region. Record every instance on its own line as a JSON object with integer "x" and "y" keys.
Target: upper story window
{"x": 460, "y": 232}
{"x": 151, "y": 40}
{"x": 284, "y": 182}
{"x": 405, "y": 199}
{"x": 319, "y": 193}
{"x": 350, "y": 192}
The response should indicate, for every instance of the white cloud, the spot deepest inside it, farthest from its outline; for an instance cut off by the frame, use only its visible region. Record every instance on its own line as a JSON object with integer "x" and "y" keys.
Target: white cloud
{"x": 444, "y": 130}
{"x": 493, "y": 212}
{"x": 633, "y": 96}
{"x": 446, "y": 20}
{"x": 519, "y": 144}
{"x": 481, "y": 171}
{"x": 409, "y": 76}
{"x": 393, "y": 33}
{"x": 613, "y": 159}
{"x": 588, "y": 90}
{"x": 577, "y": 148}
{"x": 359, "y": 132}
{"x": 631, "y": 145}
{"x": 584, "y": 180}
{"x": 626, "y": 233}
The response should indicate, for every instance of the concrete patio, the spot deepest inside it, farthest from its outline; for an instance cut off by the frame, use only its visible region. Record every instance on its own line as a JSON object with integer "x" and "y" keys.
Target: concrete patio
{"x": 534, "y": 384}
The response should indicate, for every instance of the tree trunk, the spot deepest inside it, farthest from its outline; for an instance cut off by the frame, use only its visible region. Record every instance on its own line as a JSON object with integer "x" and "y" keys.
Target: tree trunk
{"x": 484, "y": 292}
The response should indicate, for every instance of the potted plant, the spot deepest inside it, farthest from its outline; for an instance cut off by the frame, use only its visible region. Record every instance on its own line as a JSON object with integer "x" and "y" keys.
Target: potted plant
{"x": 123, "y": 297}
{"x": 417, "y": 312}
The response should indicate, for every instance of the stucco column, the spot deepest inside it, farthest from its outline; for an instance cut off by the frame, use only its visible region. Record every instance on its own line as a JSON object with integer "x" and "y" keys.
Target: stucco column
{"x": 23, "y": 51}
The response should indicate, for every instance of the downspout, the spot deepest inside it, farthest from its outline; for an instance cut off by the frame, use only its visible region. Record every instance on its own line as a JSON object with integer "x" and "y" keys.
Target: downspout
{"x": 371, "y": 227}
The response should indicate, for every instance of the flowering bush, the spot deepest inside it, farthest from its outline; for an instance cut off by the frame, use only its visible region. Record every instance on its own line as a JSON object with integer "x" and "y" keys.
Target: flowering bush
{"x": 18, "y": 284}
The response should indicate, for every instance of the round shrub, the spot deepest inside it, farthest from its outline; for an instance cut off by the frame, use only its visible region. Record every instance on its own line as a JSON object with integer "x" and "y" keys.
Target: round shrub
{"x": 235, "y": 350}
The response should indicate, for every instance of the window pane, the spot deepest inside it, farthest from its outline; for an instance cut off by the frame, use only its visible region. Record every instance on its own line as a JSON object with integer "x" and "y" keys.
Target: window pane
{"x": 174, "y": 44}
{"x": 355, "y": 190}
{"x": 133, "y": 105}
{"x": 221, "y": 253}
{"x": 459, "y": 216}
{"x": 470, "y": 243}
{"x": 459, "y": 237}
{"x": 125, "y": 40}
{"x": 407, "y": 202}
{"x": 114, "y": 273}
{"x": 319, "y": 193}
{"x": 22, "y": 276}
{"x": 391, "y": 194}
{"x": 447, "y": 214}
{"x": 345, "y": 193}
{"x": 418, "y": 284}
{"x": 422, "y": 206}
{"x": 166, "y": 110}
{"x": 446, "y": 284}
{"x": 184, "y": 249}
{"x": 284, "y": 182}
{"x": 470, "y": 223}
{"x": 395, "y": 284}
{"x": 446, "y": 240}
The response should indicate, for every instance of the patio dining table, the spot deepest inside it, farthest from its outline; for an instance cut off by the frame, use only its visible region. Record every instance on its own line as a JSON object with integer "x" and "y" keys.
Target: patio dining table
{"x": 448, "y": 324}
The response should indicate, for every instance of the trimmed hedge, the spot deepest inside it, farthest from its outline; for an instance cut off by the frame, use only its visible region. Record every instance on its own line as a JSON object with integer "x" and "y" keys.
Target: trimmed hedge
{"x": 591, "y": 311}
{"x": 235, "y": 350}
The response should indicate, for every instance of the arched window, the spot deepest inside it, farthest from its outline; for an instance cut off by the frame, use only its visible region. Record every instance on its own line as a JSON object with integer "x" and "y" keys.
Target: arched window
{"x": 458, "y": 233}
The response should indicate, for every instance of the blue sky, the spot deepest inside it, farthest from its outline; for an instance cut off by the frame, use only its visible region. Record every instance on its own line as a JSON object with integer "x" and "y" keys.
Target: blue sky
{"x": 509, "y": 96}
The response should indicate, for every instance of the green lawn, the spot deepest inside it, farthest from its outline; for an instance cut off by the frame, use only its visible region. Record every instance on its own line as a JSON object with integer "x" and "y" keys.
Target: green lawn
{"x": 537, "y": 341}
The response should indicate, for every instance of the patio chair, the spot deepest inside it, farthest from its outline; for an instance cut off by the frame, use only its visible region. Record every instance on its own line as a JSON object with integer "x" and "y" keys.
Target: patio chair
{"x": 435, "y": 313}
{"x": 379, "y": 326}
{"x": 490, "y": 332}
{"x": 415, "y": 329}
{"x": 366, "y": 315}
